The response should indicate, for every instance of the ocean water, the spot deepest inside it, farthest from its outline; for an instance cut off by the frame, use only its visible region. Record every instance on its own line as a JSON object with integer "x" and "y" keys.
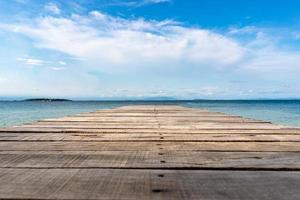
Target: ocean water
{"x": 285, "y": 112}
{"x": 18, "y": 112}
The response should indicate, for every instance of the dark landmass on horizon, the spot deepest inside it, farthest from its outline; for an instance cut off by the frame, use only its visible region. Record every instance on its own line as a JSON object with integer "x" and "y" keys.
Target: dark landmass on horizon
{"x": 132, "y": 99}
{"x": 46, "y": 99}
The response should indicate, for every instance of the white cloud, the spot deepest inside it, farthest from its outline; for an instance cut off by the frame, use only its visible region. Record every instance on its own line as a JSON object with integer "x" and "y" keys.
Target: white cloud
{"x": 58, "y": 68}
{"x": 62, "y": 62}
{"x": 31, "y": 61}
{"x": 103, "y": 43}
{"x": 244, "y": 30}
{"x": 272, "y": 60}
{"x": 39, "y": 62}
{"x": 110, "y": 42}
{"x": 53, "y": 8}
{"x": 98, "y": 15}
{"x": 136, "y": 3}
{"x": 144, "y": 2}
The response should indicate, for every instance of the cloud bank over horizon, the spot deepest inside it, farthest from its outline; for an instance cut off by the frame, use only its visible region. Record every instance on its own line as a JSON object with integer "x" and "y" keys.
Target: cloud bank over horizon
{"x": 102, "y": 55}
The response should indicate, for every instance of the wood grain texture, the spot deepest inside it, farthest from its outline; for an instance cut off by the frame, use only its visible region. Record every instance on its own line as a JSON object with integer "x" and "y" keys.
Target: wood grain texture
{"x": 151, "y": 160}
{"x": 150, "y": 152}
{"x": 147, "y": 184}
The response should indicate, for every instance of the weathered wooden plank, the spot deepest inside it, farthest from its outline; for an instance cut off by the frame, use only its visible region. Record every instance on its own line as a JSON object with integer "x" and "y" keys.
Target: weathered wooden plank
{"x": 150, "y": 159}
{"x": 140, "y": 115}
{"x": 147, "y": 112}
{"x": 151, "y": 146}
{"x": 83, "y": 121}
{"x": 150, "y": 137}
{"x": 163, "y": 131}
{"x": 152, "y": 118}
{"x": 147, "y": 184}
{"x": 161, "y": 126}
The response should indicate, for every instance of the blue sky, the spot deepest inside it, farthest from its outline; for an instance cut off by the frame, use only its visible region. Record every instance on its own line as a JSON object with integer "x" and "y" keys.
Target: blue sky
{"x": 186, "y": 49}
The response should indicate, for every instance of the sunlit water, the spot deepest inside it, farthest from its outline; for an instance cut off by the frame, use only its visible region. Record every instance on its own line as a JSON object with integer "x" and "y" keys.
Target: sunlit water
{"x": 286, "y": 112}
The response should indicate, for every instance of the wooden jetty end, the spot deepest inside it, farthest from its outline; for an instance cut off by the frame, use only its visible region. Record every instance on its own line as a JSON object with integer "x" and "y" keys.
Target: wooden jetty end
{"x": 150, "y": 152}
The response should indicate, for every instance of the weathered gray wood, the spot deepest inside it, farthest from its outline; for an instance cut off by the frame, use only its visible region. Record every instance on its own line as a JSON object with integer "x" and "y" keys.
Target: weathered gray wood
{"x": 151, "y": 159}
{"x": 96, "y": 121}
{"x": 150, "y": 152}
{"x": 163, "y": 131}
{"x": 150, "y": 137}
{"x": 174, "y": 127}
{"x": 147, "y": 184}
{"x": 151, "y": 146}
{"x": 145, "y": 119}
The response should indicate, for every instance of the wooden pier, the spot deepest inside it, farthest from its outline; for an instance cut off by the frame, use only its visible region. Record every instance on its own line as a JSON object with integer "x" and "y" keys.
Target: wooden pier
{"x": 150, "y": 152}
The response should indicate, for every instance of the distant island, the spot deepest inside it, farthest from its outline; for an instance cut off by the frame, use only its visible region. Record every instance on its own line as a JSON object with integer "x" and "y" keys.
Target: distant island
{"x": 46, "y": 99}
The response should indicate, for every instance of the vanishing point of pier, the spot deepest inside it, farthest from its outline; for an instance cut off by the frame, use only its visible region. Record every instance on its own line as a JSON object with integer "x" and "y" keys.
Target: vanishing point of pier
{"x": 150, "y": 152}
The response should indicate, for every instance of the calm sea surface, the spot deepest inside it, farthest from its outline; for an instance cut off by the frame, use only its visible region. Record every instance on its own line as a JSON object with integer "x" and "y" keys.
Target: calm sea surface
{"x": 286, "y": 112}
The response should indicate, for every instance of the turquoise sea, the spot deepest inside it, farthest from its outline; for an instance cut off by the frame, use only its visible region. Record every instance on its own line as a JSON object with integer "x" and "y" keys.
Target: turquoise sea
{"x": 286, "y": 112}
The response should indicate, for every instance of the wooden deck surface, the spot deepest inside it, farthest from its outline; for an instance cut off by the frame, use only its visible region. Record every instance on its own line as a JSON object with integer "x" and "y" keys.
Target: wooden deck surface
{"x": 150, "y": 152}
